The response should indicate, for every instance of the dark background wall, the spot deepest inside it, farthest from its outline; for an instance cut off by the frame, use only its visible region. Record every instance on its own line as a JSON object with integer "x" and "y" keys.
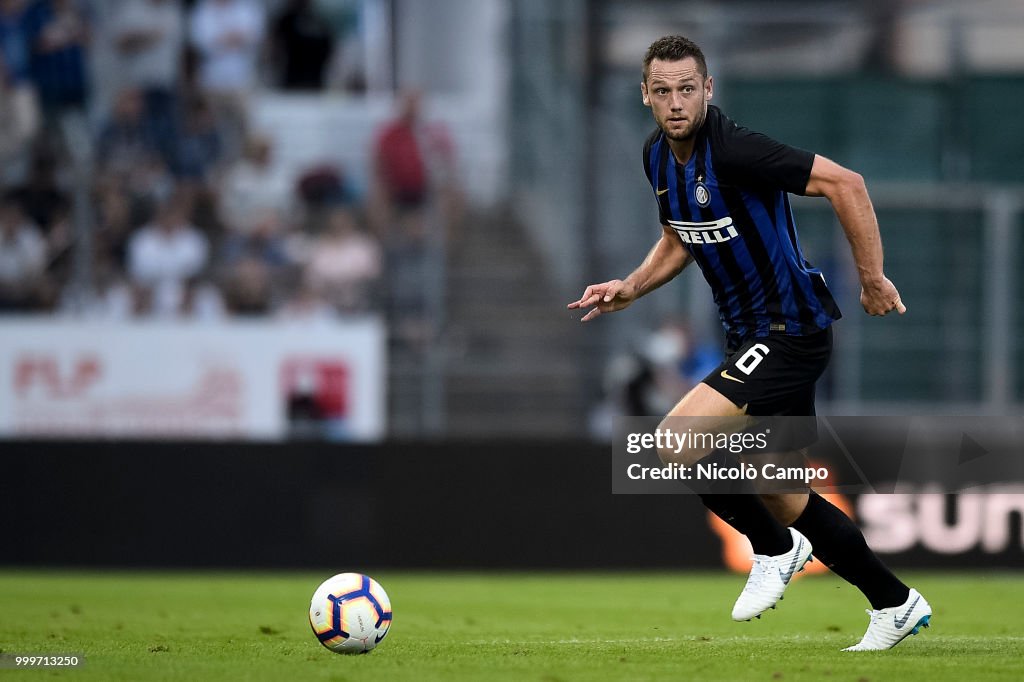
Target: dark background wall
{"x": 237, "y": 504}
{"x": 414, "y": 505}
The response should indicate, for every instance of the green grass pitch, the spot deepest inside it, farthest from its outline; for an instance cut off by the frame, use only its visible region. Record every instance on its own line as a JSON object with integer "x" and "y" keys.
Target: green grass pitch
{"x": 503, "y": 626}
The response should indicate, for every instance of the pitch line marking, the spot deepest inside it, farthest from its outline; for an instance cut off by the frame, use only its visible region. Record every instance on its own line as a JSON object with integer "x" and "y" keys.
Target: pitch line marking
{"x": 723, "y": 640}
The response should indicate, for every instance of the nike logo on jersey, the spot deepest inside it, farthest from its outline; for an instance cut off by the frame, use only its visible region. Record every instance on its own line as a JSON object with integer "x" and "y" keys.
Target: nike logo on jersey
{"x": 726, "y": 375}
{"x": 900, "y": 622}
{"x": 659, "y": 192}
{"x": 713, "y": 232}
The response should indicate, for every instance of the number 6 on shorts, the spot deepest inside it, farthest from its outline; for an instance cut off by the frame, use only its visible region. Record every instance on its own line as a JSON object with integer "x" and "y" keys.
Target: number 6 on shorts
{"x": 749, "y": 361}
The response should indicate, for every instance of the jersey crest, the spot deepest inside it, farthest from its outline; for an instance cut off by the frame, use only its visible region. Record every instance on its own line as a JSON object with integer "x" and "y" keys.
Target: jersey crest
{"x": 701, "y": 195}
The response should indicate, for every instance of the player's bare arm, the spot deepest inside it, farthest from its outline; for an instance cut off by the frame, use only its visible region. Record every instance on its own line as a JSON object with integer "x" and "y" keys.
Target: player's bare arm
{"x": 848, "y": 195}
{"x": 666, "y": 259}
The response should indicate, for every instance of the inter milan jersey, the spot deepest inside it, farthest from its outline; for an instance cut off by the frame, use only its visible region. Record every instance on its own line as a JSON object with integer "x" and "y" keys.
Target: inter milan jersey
{"x": 729, "y": 204}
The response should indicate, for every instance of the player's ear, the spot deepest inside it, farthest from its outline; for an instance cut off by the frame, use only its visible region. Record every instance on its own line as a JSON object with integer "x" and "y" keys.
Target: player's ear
{"x": 709, "y": 87}
{"x": 643, "y": 93}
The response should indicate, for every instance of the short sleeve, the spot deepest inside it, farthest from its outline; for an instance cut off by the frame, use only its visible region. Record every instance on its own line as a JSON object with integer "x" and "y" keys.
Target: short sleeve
{"x": 649, "y": 170}
{"x": 748, "y": 157}
{"x": 648, "y": 143}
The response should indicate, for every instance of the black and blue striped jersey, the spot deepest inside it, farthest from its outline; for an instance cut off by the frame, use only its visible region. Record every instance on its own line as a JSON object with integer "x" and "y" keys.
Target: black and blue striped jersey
{"x": 729, "y": 204}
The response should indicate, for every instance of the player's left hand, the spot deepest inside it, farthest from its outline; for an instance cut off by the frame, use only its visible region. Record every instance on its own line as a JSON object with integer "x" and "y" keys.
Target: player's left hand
{"x": 881, "y": 298}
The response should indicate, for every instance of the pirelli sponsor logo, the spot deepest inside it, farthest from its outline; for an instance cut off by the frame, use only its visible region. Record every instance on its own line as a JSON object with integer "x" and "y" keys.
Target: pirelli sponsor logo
{"x": 713, "y": 232}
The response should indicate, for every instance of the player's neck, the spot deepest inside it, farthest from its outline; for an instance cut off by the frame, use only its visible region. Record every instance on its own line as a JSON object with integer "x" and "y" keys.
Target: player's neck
{"x": 682, "y": 150}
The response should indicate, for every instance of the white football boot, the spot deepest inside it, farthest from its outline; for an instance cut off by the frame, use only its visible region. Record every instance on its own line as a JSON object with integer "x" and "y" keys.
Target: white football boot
{"x": 769, "y": 577}
{"x": 891, "y": 626}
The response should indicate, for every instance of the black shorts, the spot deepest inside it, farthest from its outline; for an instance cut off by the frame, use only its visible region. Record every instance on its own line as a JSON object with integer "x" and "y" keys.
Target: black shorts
{"x": 774, "y": 375}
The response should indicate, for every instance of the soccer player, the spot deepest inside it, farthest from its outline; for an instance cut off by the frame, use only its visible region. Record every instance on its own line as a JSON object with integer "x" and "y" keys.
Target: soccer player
{"x": 722, "y": 194}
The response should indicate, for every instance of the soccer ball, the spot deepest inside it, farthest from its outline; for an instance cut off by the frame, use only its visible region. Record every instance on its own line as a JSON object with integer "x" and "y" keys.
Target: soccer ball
{"x": 350, "y": 613}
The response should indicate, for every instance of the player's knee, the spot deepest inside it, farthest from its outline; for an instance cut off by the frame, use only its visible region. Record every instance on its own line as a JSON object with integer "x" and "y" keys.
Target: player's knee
{"x": 785, "y": 507}
{"x": 666, "y": 453}
{"x": 675, "y": 451}
{"x": 668, "y": 456}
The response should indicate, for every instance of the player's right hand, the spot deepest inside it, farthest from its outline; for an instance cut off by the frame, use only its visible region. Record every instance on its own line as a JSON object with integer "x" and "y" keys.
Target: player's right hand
{"x": 880, "y": 297}
{"x": 607, "y": 298}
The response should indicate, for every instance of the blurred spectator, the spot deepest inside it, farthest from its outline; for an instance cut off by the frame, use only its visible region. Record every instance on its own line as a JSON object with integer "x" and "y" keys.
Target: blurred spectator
{"x": 107, "y": 297}
{"x": 302, "y": 43}
{"x": 16, "y": 40}
{"x": 344, "y": 264}
{"x": 248, "y": 288}
{"x": 41, "y": 197}
{"x": 60, "y": 37}
{"x": 413, "y": 171}
{"x": 265, "y": 241}
{"x": 19, "y": 109}
{"x": 346, "y": 69}
{"x": 651, "y": 379}
{"x": 129, "y": 160}
{"x": 201, "y": 301}
{"x": 413, "y": 163}
{"x": 148, "y": 37}
{"x": 125, "y": 143}
{"x": 412, "y": 268}
{"x": 673, "y": 365}
{"x": 319, "y": 190}
{"x": 22, "y": 259}
{"x": 306, "y": 306}
{"x": 199, "y": 147}
{"x": 165, "y": 254}
{"x": 19, "y": 119}
{"x": 323, "y": 185}
{"x": 116, "y": 214}
{"x": 228, "y": 35}
{"x": 60, "y": 243}
{"x": 257, "y": 264}
{"x": 252, "y": 185}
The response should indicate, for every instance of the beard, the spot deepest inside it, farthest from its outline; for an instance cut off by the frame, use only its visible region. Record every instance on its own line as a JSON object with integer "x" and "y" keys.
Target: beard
{"x": 690, "y": 131}
{"x": 681, "y": 135}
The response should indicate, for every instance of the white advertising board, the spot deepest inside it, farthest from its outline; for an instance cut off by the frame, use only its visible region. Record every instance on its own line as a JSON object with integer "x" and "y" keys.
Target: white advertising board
{"x": 250, "y": 380}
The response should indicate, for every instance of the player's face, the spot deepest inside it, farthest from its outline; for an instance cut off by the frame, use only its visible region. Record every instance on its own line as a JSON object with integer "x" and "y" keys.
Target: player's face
{"x": 678, "y": 96}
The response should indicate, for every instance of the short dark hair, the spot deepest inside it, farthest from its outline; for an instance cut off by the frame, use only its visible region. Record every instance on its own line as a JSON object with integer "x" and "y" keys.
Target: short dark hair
{"x": 673, "y": 49}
